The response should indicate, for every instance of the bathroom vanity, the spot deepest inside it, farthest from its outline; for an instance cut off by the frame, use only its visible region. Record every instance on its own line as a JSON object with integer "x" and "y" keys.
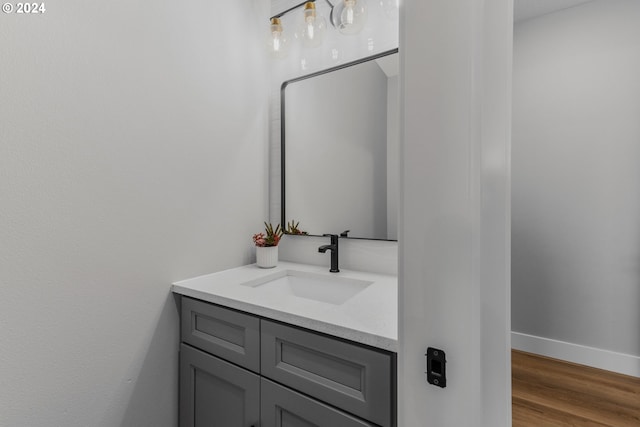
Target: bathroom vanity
{"x": 289, "y": 346}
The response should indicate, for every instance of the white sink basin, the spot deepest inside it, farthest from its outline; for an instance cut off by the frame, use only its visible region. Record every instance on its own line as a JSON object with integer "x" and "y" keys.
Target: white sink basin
{"x": 318, "y": 287}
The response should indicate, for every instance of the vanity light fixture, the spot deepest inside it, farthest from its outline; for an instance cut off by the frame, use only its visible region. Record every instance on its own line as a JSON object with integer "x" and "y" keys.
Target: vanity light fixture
{"x": 278, "y": 40}
{"x": 348, "y": 16}
{"x": 312, "y": 29}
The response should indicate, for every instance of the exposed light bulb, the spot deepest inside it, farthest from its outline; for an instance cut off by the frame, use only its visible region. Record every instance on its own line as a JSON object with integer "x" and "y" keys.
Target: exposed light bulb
{"x": 277, "y": 41}
{"x": 309, "y": 30}
{"x": 352, "y": 16}
{"x": 313, "y": 27}
{"x": 348, "y": 12}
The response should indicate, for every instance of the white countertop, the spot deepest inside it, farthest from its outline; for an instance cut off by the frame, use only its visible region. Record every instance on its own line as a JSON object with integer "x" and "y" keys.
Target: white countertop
{"x": 369, "y": 317}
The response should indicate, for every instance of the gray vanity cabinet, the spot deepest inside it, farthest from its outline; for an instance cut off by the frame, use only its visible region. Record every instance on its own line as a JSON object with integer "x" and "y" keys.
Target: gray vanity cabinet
{"x": 346, "y": 375}
{"x": 225, "y": 333}
{"x": 240, "y": 370}
{"x": 215, "y": 393}
{"x": 283, "y": 407}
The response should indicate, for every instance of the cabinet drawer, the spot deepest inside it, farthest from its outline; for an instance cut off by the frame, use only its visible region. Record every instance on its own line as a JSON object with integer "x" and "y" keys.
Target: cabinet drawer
{"x": 348, "y": 376}
{"x": 229, "y": 334}
{"x": 282, "y": 407}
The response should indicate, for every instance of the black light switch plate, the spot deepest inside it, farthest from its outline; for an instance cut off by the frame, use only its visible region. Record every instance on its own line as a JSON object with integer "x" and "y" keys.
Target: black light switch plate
{"x": 436, "y": 367}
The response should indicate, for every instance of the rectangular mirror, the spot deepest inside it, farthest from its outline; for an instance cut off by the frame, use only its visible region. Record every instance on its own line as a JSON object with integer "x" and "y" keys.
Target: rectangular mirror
{"x": 340, "y": 149}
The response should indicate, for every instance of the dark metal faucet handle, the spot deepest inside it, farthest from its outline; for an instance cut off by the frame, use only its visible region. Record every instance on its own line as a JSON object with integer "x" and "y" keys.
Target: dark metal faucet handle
{"x": 333, "y": 247}
{"x": 334, "y": 238}
{"x": 345, "y": 233}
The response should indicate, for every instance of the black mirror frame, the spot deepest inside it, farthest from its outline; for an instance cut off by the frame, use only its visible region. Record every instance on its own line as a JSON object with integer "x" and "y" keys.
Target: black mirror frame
{"x": 283, "y": 220}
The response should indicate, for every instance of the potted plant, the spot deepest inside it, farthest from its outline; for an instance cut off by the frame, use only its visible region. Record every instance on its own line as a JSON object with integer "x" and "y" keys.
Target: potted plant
{"x": 267, "y": 246}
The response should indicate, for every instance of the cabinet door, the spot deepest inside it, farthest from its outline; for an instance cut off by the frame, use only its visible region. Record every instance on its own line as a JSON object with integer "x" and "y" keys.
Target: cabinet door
{"x": 215, "y": 393}
{"x": 283, "y": 407}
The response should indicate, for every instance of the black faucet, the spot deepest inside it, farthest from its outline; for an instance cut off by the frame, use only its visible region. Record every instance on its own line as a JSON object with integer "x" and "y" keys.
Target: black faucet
{"x": 333, "y": 247}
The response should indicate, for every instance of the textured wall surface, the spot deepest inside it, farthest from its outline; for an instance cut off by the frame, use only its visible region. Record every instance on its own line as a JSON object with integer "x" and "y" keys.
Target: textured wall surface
{"x": 132, "y": 154}
{"x": 576, "y": 176}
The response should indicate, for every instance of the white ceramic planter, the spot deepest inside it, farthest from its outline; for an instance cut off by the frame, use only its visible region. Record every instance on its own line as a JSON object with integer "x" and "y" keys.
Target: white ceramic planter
{"x": 267, "y": 256}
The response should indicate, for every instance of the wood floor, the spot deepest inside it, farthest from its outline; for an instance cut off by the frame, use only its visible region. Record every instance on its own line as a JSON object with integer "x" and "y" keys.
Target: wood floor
{"x": 548, "y": 393}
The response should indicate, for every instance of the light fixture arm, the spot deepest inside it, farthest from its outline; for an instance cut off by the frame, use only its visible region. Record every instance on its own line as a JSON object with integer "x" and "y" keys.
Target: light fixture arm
{"x": 281, "y": 14}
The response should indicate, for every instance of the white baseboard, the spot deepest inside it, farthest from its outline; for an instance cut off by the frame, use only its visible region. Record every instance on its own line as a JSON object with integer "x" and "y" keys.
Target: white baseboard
{"x": 602, "y": 359}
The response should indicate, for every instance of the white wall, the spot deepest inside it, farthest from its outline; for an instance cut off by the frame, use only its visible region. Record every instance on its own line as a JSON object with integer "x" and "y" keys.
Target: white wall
{"x": 576, "y": 181}
{"x": 379, "y": 35}
{"x": 132, "y": 154}
{"x": 454, "y": 215}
